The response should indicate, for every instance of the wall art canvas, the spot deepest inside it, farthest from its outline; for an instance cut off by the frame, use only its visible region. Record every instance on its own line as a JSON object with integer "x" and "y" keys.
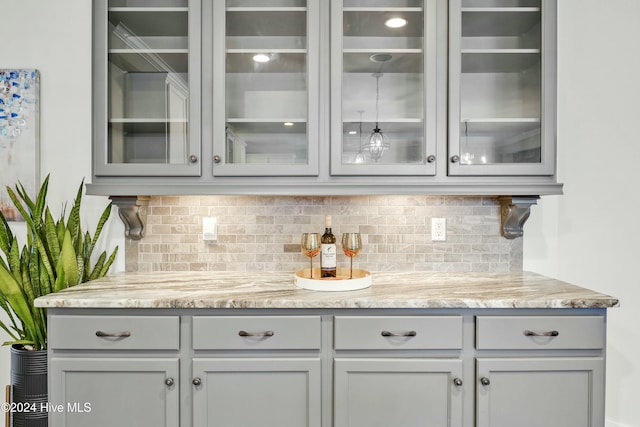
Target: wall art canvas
{"x": 19, "y": 135}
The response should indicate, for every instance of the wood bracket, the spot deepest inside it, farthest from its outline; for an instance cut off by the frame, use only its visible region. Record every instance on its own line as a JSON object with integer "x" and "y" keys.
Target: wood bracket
{"x": 133, "y": 213}
{"x": 514, "y": 212}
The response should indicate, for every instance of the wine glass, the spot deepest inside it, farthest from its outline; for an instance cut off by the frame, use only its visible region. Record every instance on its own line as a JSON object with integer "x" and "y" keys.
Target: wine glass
{"x": 351, "y": 246}
{"x": 310, "y": 246}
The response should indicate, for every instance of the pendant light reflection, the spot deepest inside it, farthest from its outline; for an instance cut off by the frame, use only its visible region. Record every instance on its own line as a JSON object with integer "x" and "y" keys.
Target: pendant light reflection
{"x": 359, "y": 157}
{"x": 377, "y": 144}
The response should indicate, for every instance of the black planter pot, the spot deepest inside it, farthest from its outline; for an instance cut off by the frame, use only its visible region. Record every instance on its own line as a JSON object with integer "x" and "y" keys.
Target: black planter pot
{"x": 28, "y": 387}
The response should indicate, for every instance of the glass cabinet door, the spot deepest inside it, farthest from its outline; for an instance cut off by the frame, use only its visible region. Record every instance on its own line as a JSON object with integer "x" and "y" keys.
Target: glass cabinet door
{"x": 502, "y": 99}
{"x": 383, "y": 107}
{"x": 266, "y": 72}
{"x": 146, "y": 87}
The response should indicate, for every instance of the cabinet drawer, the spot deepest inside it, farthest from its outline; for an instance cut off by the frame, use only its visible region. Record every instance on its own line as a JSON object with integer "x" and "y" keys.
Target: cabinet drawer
{"x": 114, "y": 332}
{"x": 398, "y": 332}
{"x": 540, "y": 332}
{"x": 256, "y": 332}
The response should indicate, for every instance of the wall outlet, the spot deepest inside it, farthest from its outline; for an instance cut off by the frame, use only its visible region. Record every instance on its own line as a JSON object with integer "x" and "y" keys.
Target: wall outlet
{"x": 438, "y": 229}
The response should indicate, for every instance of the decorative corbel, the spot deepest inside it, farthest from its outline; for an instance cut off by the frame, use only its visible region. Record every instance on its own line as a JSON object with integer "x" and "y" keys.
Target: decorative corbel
{"x": 133, "y": 213}
{"x": 514, "y": 212}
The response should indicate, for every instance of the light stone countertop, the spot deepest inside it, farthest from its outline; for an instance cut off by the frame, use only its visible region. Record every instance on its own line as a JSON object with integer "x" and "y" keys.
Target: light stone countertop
{"x": 277, "y": 290}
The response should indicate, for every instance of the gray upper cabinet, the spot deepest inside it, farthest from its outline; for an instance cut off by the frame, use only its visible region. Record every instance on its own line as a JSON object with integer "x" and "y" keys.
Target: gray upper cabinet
{"x": 502, "y": 67}
{"x": 266, "y": 86}
{"x": 146, "y": 86}
{"x": 383, "y": 87}
{"x": 315, "y": 97}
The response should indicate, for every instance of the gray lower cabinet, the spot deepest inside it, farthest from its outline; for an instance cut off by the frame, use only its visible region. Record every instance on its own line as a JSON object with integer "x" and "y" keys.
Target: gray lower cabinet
{"x": 266, "y": 392}
{"x": 533, "y": 392}
{"x": 107, "y": 392}
{"x": 327, "y": 367}
{"x": 405, "y": 392}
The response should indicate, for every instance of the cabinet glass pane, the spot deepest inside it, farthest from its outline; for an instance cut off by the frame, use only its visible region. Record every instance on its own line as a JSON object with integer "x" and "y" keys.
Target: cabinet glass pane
{"x": 500, "y": 82}
{"x": 266, "y": 82}
{"x": 383, "y": 82}
{"x": 148, "y": 89}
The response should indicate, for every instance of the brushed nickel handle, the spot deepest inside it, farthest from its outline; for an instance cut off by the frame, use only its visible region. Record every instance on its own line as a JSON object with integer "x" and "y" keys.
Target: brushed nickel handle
{"x": 124, "y": 334}
{"x": 217, "y": 159}
{"x": 457, "y": 382}
{"x": 485, "y": 381}
{"x": 196, "y": 381}
{"x": 455, "y": 159}
{"x": 256, "y": 334}
{"x": 169, "y": 382}
{"x": 398, "y": 334}
{"x": 529, "y": 333}
{"x": 431, "y": 158}
{"x": 193, "y": 158}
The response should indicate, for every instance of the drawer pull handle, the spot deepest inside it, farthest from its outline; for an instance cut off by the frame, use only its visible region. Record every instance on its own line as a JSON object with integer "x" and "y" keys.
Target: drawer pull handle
{"x": 529, "y": 333}
{"x": 399, "y": 334}
{"x": 256, "y": 334}
{"x": 124, "y": 334}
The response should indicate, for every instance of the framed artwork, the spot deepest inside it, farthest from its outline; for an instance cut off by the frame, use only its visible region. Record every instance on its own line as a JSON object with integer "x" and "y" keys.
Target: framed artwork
{"x": 19, "y": 135}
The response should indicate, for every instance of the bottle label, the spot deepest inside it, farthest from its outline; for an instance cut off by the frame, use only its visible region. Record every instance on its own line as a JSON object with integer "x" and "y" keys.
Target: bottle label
{"x": 328, "y": 260}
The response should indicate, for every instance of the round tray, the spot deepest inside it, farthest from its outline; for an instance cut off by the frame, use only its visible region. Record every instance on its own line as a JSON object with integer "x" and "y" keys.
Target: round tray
{"x": 361, "y": 280}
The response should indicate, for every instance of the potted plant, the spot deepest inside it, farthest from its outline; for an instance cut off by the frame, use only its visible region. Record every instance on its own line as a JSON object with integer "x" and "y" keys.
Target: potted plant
{"x": 57, "y": 255}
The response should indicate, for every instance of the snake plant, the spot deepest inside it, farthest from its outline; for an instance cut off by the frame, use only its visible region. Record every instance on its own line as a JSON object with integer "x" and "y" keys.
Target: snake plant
{"x": 57, "y": 255}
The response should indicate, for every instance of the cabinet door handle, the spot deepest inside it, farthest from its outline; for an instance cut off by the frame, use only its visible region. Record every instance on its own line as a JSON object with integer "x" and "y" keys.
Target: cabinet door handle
{"x": 398, "y": 334}
{"x": 217, "y": 159}
{"x": 124, "y": 334}
{"x": 193, "y": 158}
{"x": 256, "y": 334}
{"x": 196, "y": 381}
{"x": 485, "y": 381}
{"x": 457, "y": 382}
{"x": 431, "y": 158}
{"x": 455, "y": 159}
{"x": 529, "y": 333}
{"x": 169, "y": 382}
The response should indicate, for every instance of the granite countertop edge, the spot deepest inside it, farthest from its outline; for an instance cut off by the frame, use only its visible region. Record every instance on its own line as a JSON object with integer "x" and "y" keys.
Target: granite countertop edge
{"x": 277, "y": 290}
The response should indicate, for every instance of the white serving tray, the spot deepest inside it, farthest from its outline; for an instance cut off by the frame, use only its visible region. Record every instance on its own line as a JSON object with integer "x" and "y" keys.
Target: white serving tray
{"x": 361, "y": 280}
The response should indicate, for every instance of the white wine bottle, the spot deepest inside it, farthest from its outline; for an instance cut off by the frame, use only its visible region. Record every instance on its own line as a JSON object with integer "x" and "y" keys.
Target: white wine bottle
{"x": 328, "y": 259}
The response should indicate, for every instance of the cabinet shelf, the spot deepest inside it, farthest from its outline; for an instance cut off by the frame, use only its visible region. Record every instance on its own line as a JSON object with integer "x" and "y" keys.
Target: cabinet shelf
{"x": 146, "y": 21}
{"x": 499, "y": 21}
{"x": 266, "y": 22}
{"x": 402, "y": 61}
{"x": 499, "y": 60}
{"x": 240, "y": 61}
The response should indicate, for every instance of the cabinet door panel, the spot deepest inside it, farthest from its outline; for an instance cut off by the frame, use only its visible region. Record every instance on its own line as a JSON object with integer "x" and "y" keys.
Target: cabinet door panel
{"x": 103, "y": 392}
{"x": 383, "y": 103}
{"x": 400, "y": 392}
{"x": 549, "y": 392}
{"x": 147, "y": 88}
{"x": 502, "y": 87}
{"x": 266, "y": 87}
{"x": 257, "y": 392}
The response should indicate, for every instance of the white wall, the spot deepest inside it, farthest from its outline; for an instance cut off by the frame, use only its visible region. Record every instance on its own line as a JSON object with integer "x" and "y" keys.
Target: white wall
{"x": 55, "y": 38}
{"x": 590, "y": 235}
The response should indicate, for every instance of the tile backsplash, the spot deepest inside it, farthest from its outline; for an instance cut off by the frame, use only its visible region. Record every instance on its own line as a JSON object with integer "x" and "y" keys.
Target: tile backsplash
{"x": 262, "y": 233}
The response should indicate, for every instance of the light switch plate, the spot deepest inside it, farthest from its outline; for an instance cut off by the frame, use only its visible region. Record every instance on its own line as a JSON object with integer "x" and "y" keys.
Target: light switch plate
{"x": 438, "y": 229}
{"x": 210, "y": 229}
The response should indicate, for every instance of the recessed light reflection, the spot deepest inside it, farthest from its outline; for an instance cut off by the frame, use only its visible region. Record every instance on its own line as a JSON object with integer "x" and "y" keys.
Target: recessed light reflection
{"x": 261, "y": 57}
{"x": 395, "y": 22}
{"x": 352, "y": 132}
{"x": 287, "y": 124}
